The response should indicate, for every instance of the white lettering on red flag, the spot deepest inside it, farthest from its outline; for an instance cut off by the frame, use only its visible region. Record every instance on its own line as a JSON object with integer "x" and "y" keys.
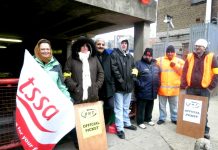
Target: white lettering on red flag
{"x": 43, "y": 113}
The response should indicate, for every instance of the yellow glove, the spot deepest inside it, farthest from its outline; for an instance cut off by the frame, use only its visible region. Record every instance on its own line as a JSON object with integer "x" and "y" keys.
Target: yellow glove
{"x": 135, "y": 71}
{"x": 67, "y": 74}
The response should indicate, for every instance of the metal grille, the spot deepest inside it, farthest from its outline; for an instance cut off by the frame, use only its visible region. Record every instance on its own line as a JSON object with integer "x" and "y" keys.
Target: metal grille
{"x": 8, "y": 136}
{"x": 207, "y": 31}
{"x": 159, "y": 50}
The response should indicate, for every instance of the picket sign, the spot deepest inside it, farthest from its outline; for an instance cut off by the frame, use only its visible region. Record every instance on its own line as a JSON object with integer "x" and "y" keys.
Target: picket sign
{"x": 192, "y": 112}
{"x": 90, "y": 126}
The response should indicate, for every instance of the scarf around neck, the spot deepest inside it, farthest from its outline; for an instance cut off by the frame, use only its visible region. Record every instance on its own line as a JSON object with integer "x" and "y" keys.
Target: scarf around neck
{"x": 86, "y": 77}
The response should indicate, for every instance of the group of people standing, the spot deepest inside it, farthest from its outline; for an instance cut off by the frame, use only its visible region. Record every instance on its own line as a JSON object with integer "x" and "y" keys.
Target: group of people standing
{"x": 91, "y": 73}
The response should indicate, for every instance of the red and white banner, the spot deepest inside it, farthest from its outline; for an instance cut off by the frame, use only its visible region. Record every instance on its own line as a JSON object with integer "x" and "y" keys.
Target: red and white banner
{"x": 43, "y": 113}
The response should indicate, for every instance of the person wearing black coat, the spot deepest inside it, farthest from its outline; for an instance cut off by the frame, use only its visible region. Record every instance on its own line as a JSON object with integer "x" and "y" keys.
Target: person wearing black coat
{"x": 106, "y": 92}
{"x": 123, "y": 67}
{"x": 146, "y": 87}
{"x": 83, "y": 74}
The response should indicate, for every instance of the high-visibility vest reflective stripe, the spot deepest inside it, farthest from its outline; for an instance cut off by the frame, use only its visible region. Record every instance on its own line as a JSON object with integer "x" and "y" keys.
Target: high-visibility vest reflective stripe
{"x": 208, "y": 72}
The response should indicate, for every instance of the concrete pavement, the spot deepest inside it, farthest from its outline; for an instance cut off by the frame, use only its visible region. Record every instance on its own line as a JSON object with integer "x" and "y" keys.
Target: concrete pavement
{"x": 158, "y": 137}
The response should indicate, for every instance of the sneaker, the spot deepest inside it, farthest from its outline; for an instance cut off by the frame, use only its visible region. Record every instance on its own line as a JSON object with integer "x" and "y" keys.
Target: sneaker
{"x": 207, "y": 136}
{"x": 174, "y": 122}
{"x": 160, "y": 122}
{"x": 121, "y": 134}
{"x": 142, "y": 126}
{"x": 150, "y": 123}
{"x": 132, "y": 127}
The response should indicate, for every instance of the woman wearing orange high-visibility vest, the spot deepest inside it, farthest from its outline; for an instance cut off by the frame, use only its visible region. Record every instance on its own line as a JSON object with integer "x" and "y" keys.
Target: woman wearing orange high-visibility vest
{"x": 171, "y": 71}
{"x": 200, "y": 74}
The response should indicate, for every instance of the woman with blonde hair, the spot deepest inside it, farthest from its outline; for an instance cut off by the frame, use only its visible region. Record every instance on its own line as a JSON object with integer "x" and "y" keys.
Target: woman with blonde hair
{"x": 44, "y": 57}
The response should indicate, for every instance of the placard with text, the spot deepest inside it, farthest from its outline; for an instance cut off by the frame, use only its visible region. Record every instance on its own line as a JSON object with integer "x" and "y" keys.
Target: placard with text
{"x": 90, "y": 126}
{"x": 192, "y": 112}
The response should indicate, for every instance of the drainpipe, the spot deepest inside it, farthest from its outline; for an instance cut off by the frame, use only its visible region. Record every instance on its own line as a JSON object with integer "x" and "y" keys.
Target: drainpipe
{"x": 207, "y": 17}
{"x": 208, "y": 11}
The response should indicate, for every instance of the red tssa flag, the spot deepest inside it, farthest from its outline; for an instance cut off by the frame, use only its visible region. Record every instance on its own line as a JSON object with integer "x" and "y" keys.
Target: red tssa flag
{"x": 43, "y": 113}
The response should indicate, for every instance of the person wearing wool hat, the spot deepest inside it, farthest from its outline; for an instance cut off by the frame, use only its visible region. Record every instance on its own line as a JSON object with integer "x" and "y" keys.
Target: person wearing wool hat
{"x": 43, "y": 56}
{"x": 171, "y": 71}
{"x": 200, "y": 77}
{"x": 146, "y": 87}
{"x": 123, "y": 70}
{"x": 200, "y": 46}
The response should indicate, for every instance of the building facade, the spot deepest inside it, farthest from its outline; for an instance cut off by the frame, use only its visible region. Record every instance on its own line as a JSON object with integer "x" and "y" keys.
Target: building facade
{"x": 184, "y": 14}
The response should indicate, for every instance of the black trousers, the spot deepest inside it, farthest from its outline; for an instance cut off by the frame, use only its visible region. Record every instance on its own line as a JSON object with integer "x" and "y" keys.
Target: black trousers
{"x": 144, "y": 110}
{"x": 201, "y": 92}
{"x": 109, "y": 110}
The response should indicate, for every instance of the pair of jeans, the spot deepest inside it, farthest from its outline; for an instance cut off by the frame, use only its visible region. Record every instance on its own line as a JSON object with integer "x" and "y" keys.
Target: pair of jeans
{"x": 173, "y": 104}
{"x": 144, "y": 110}
{"x": 201, "y": 92}
{"x": 121, "y": 109}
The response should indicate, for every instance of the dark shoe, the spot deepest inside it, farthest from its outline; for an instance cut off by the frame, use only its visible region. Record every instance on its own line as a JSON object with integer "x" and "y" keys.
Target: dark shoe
{"x": 207, "y": 136}
{"x": 132, "y": 127}
{"x": 121, "y": 134}
{"x": 160, "y": 122}
{"x": 174, "y": 122}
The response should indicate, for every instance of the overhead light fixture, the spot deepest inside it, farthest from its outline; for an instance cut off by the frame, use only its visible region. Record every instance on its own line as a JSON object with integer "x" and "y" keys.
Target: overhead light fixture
{"x": 3, "y": 46}
{"x": 10, "y": 40}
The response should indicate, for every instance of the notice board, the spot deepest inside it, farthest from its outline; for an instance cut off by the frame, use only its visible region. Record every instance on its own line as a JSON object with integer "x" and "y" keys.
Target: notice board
{"x": 192, "y": 112}
{"x": 90, "y": 126}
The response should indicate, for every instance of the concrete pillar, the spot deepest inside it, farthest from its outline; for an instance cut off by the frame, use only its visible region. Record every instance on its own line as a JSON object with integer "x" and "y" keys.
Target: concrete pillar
{"x": 141, "y": 36}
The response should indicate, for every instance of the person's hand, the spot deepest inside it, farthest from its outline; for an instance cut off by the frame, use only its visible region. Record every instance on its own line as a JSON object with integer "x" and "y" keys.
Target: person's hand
{"x": 135, "y": 72}
{"x": 172, "y": 64}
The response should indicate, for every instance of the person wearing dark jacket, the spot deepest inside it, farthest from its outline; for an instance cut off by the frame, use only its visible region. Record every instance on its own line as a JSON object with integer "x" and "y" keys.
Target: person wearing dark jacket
{"x": 200, "y": 74}
{"x": 83, "y": 74}
{"x": 123, "y": 69}
{"x": 106, "y": 92}
{"x": 146, "y": 87}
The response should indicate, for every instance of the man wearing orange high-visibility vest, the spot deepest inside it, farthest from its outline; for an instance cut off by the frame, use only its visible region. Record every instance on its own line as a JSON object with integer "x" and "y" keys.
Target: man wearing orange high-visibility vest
{"x": 200, "y": 74}
{"x": 171, "y": 71}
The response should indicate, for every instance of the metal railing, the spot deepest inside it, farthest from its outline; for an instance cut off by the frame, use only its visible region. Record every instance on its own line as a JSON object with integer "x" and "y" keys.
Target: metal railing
{"x": 8, "y": 135}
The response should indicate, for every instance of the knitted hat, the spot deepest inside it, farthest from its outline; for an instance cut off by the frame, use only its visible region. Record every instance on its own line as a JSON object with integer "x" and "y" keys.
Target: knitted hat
{"x": 148, "y": 52}
{"x": 171, "y": 49}
{"x": 201, "y": 42}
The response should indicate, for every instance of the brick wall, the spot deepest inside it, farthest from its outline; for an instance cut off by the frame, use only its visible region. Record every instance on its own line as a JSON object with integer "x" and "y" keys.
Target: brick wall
{"x": 184, "y": 14}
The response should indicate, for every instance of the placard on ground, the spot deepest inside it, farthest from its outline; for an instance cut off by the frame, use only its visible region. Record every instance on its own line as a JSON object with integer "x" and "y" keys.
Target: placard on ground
{"x": 192, "y": 111}
{"x": 90, "y": 126}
